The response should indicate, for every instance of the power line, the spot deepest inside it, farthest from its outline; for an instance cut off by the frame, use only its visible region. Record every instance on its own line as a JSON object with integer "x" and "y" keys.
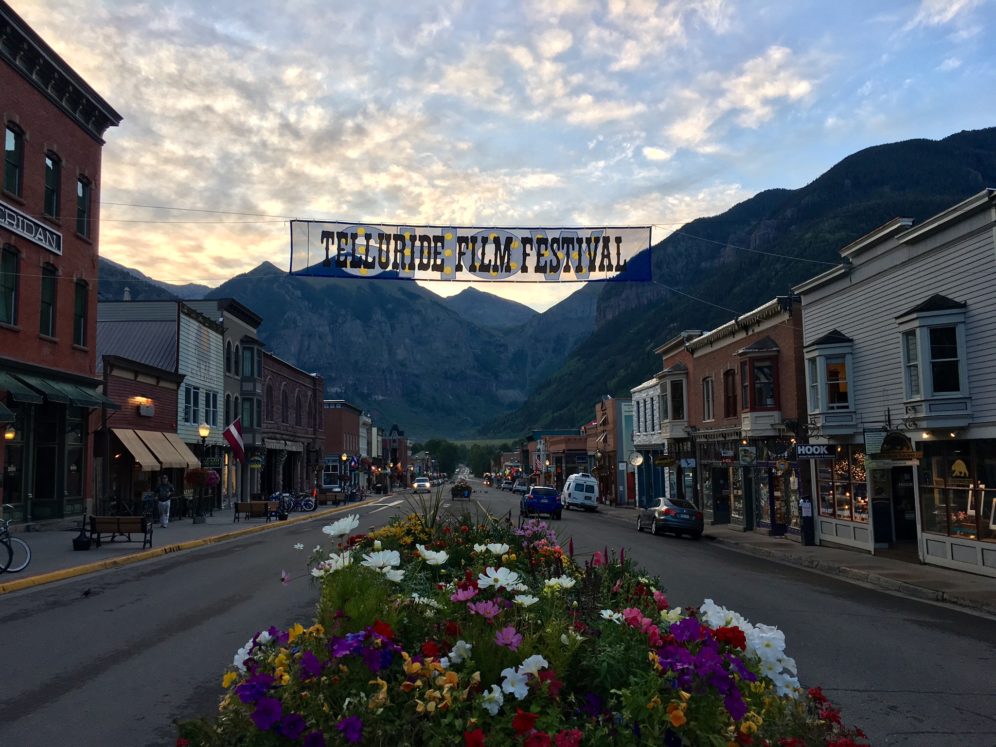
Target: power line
{"x": 196, "y": 210}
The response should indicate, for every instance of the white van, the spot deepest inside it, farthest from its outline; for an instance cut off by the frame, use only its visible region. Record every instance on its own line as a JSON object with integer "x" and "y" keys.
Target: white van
{"x": 580, "y": 491}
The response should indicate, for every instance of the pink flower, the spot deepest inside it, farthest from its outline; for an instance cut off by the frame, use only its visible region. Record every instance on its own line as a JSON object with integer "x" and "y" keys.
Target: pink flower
{"x": 463, "y": 595}
{"x": 486, "y": 609}
{"x": 509, "y": 638}
{"x": 597, "y": 559}
{"x": 633, "y": 617}
{"x": 660, "y": 600}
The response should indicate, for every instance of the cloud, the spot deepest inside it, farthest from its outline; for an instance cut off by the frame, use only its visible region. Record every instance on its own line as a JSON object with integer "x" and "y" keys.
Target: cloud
{"x": 940, "y": 12}
{"x": 656, "y": 154}
{"x": 951, "y": 63}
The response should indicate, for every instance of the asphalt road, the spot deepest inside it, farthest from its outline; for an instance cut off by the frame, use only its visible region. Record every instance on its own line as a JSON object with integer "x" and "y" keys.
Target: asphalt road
{"x": 116, "y": 657}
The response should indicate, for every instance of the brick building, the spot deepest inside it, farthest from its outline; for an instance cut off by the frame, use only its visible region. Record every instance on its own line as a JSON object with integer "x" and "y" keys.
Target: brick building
{"x": 54, "y": 124}
{"x": 342, "y": 443}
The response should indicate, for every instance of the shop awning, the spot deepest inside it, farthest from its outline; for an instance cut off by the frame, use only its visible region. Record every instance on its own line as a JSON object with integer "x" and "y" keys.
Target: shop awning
{"x": 6, "y": 416}
{"x": 18, "y": 390}
{"x": 81, "y": 396}
{"x": 143, "y": 457}
{"x": 183, "y": 450}
{"x": 162, "y": 449}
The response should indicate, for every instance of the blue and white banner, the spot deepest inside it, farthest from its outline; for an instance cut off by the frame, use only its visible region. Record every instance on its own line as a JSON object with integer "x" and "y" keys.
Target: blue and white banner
{"x": 470, "y": 253}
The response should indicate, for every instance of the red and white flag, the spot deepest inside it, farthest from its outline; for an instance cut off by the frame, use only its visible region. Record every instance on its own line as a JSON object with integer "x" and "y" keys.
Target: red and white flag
{"x": 233, "y": 434}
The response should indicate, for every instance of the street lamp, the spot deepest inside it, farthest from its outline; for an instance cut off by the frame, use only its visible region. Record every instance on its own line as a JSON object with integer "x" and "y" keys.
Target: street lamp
{"x": 546, "y": 471}
{"x": 203, "y": 430}
{"x": 343, "y": 457}
{"x": 9, "y": 433}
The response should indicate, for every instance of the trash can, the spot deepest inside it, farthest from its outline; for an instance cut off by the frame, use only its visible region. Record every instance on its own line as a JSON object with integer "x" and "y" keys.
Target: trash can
{"x": 808, "y": 522}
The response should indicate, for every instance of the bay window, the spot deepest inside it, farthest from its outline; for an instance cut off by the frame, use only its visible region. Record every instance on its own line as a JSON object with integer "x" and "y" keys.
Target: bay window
{"x": 933, "y": 350}
{"x": 828, "y": 375}
{"x": 759, "y": 384}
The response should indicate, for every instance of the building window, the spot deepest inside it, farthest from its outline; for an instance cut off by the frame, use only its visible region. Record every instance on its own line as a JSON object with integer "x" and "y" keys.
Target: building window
{"x": 662, "y": 408}
{"x": 228, "y": 408}
{"x": 297, "y": 410}
{"x": 729, "y": 394}
{"x": 911, "y": 365}
{"x": 269, "y": 403}
{"x": 228, "y": 356}
{"x": 759, "y": 384}
{"x": 49, "y": 281}
{"x": 83, "y": 207}
{"x": 842, "y": 486}
{"x": 259, "y": 411}
{"x": 235, "y": 361}
{"x": 248, "y": 361}
{"x": 9, "y": 261}
{"x": 53, "y": 183}
{"x": 828, "y": 377}
{"x": 247, "y": 412}
{"x": 13, "y": 160}
{"x": 677, "y": 391}
{"x": 708, "y": 408}
{"x": 211, "y": 408}
{"x": 192, "y": 404}
{"x": 284, "y": 407}
{"x": 934, "y": 349}
{"x": 259, "y": 363}
{"x": 80, "y": 313}
{"x": 311, "y": 411}
{"x": 836, "y": 374}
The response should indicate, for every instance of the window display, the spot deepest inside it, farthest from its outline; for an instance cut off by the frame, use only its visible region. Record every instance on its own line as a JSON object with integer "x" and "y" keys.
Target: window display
{"x": 842, "y": 485}
{"x": 958, "y": 489}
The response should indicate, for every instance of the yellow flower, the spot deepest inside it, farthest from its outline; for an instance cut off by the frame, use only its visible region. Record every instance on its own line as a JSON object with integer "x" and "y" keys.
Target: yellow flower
{"x": 228, "y": 679}
{"x": 294, "y": 631}
{"x": 317, "y": 629}
{"x": 654, "y": 703}
{"x": 748, "y": 727}
{"x": 677, "y": 718}
{"x": 379, "y": 698}
{"x": 684, "y": 696}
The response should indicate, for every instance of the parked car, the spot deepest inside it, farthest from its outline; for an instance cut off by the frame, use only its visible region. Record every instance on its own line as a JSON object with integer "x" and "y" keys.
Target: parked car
{"x": 580, "y": 491}
{"x": 521, "y": 487}
{"x": 541, "y": 500}
{"x": 421, "y": 485}
{"x": 676, "y": 515}
{"x": 505, "y": 485}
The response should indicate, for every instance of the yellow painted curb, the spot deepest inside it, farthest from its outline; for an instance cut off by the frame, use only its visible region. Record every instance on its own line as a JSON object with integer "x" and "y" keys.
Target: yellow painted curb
{"x": 137, "y": 557}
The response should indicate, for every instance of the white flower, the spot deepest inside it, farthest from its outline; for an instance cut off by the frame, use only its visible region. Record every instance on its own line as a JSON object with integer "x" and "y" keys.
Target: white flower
{"x": 461, "y": 650}
{"x": 338, "y": 561}
{"x": 318, "y": 548}
{"x": 492, "y": 700}
{"x": 525, "y": 600}
{"x": 615, "y": 617}
{"x": 560, "y": 582}
{"x": 419, "y": 599}
{"x": 571, "y": 636}
{"x": 519, "y": 587}
{"x": 498, "y": 548}
{"x": 480, "y": 548}
{"x": 431, "y": 557}
{"x": 342, "y": 527}
{"x": 514, "y": 683}
{"x": 767, "y": 641}
{"x": 318, "y": 571}
{"x": 533, "y": 665}
{"x": 239, "y": 662}
{"x": 377, "y": 545}
{"x": 672, "y": 615}
{"x": 382, "y": 559}
{"x": 502, "y": 578}
{"x": 299, "y": 546}
{"x": 718, "y": 617}
{"x": 393, "y": 574}
{"x": 263, "y": 637}
{"x": 564, "y": 639}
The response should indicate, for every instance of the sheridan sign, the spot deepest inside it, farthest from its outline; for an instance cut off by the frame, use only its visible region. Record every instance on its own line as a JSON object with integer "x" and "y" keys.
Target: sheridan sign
{"x": 26, "y": 226}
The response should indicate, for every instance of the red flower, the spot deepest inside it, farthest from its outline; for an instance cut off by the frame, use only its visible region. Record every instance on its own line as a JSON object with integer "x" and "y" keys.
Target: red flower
{"x": 538, "y": 739}
{"x": 554, "y": 687}
{"x": 182, "y": 742}
{"x": 452, "y": 629}
{"x": 464, "y": 528}
{"x": 382, "y": 628}
{"x": 791, "y": 742}
{"x": 733, "y": 636}
{"x": 816, "y": 695}
{"x": 570, "y": 738}
{"x": 473, "y": 738}
{"x": 523, "y": 721}
{"x": 830, "y": 714}
{"x": 430, "y": 648}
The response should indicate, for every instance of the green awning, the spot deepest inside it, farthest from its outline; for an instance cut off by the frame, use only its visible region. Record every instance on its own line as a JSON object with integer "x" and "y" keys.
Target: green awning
{"x": 6, "y": 416}
{"x": 47, "y": 387}
{"x": 18, "y": 391}
{"x": 81, "y": 396}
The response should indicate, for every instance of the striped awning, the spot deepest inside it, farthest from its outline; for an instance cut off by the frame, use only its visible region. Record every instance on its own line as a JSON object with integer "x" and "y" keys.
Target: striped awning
{"x": 143, "y": 457}
{"x": 162, "y": 449}
{"x": 183, "y": 450}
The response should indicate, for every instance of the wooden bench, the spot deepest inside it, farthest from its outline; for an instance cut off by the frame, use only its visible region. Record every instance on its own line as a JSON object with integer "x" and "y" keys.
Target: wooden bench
{"x": 120, "y": 527}
{"x": 255, "y": 510}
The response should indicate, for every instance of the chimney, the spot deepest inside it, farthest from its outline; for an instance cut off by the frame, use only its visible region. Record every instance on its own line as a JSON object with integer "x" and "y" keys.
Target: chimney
{"x": 126, "y": 295}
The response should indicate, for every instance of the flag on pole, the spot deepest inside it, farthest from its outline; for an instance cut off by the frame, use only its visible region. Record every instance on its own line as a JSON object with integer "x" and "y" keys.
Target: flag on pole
{"x": 233, "y": 434}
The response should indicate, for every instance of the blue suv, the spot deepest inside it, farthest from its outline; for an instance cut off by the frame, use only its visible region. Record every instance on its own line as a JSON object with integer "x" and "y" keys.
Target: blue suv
{"x": 541, "y": 500}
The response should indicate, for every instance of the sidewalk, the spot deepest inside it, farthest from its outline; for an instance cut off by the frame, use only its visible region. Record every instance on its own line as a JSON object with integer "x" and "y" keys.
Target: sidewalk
{"x": 914, "y": 580}
{"x": 54, "y": 559}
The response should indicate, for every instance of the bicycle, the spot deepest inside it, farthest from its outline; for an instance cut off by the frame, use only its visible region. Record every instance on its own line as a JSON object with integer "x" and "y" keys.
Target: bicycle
{"x": 300, "y": 502}
{"x": 15, "y": 554}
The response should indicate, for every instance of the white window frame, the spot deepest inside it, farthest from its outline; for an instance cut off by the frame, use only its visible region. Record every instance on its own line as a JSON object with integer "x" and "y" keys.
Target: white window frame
{"x": 918, "y": 374}
{"x": 818, "y": 390}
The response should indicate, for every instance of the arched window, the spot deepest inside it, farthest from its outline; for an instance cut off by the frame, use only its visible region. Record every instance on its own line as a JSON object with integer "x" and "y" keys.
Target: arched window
{"x": 228, "y": 409}
{"x": 297, "y": 409}
{"x": 311, "y": 411}
{"x": 284, "y": 407}
{"x": 269, "y": 401}
{"x": 235, "y": 361}
{"x": 228, "y": 357}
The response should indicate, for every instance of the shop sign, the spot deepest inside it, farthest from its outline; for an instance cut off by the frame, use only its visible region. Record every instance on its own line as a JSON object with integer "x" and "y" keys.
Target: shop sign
{"x": 748, "y": 455}
{"x": 813, "y": 451}
{"x": 687, "y": 463}
{"x": 781, "y": 466}
{"x": 213, "y": 462}
{"x": 35, "y": 231}
{"x": 665, "y": 461}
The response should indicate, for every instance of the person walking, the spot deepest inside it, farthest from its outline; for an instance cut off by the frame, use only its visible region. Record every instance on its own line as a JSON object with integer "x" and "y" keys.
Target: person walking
{"x": 164, "y": 492}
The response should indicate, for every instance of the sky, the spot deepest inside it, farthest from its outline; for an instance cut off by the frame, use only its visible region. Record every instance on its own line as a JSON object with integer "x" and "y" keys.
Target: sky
{"x": 241, "y": 115}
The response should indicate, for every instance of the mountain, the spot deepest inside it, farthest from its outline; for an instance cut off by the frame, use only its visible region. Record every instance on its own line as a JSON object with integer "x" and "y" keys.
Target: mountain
{"x": 402, "y": 353}
{"x": 488, "y": 310}
{"x": 715, "y": 268}
{"x": 115, "y": 279}
{"x": 192, "y": 291}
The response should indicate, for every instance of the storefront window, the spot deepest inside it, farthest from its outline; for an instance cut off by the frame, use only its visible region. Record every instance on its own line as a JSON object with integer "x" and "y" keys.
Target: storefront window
{"x": 958, "y": 489}
{"x": 737, "y": 514}
{"x": 842, "y": 485}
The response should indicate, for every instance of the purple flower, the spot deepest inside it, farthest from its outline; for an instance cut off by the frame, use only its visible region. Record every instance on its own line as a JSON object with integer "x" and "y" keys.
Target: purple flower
{"x": 509, "y": 638}
{"x": 377, "y": 659}
{"x": 592, "y": 704}
{"x": 687, "y": 629}
{"x": 463, "y": 595}
{"x": 314, "y": 739}
{"x": 292, "y": 726}
{"x": 341, "y": 647}
{"x": 351, "y": 728}
{"x": 735, "y": 705}
{"x": 486, "y": 609}
{"x": 254, "y": 688}
{"x": 267, "y": 713}
{"x": 311, "y": 666}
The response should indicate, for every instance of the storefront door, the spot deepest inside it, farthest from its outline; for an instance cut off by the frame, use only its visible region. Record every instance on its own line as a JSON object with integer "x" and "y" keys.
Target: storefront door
{"x": 903, "y": 504}
{"x": 720, "y": 495}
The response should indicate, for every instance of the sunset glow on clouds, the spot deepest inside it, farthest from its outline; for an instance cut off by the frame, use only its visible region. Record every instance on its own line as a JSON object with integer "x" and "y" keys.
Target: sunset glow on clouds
{"x": 563, "y": 112}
